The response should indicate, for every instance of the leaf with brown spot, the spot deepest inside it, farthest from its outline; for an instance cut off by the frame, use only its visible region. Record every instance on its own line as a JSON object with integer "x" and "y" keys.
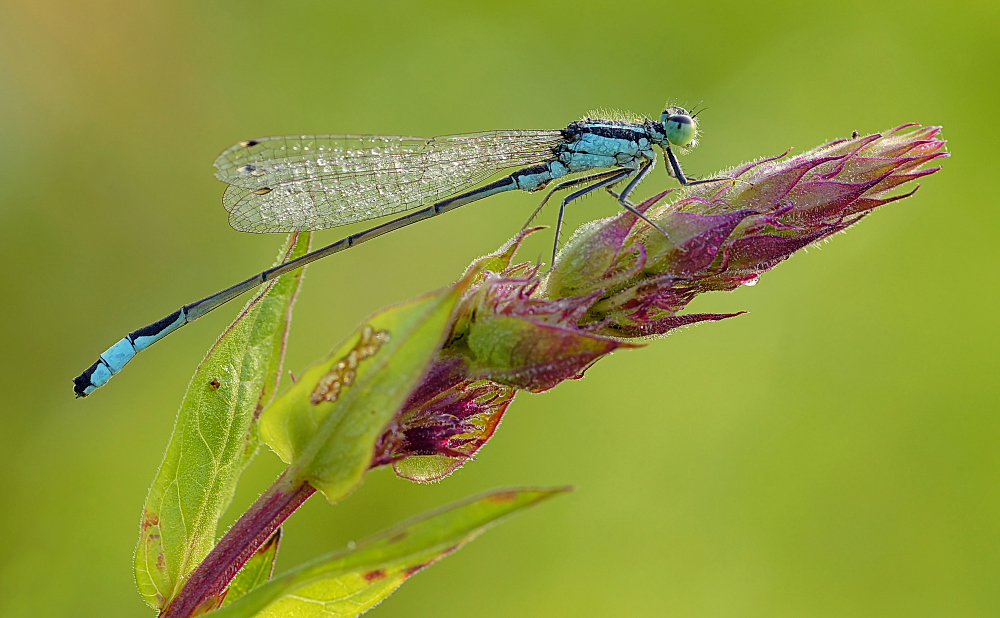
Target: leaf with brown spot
{"x": 214, "y": 438}
{"x": 329, "y": 440}
{"x": 349, "y": 583}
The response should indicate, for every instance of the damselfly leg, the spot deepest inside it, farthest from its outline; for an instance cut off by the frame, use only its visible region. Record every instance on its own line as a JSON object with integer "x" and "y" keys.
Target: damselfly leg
{"x": 675, "y": 171}
{"x": 566, "y": 184}
{"x": 600, "y": 184}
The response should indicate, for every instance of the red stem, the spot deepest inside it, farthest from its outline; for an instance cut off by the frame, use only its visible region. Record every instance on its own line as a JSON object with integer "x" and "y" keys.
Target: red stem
{"x": 246, "y": 536}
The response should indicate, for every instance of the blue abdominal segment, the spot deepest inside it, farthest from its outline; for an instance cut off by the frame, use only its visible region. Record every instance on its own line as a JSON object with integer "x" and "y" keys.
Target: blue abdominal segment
{"x": 117, "y": 356}
{"x": 148, "y": 335}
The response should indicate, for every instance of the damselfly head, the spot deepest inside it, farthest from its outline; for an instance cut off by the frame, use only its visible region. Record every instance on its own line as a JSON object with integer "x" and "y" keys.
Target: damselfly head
{"x": 680, "y": 127}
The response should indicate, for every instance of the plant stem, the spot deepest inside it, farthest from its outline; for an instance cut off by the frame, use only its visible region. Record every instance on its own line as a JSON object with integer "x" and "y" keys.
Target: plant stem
{"x": 253, "y": 528}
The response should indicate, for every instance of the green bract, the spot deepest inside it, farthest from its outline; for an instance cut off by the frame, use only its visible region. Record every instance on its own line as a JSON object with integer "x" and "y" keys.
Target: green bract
{"x": 326, "y": 425}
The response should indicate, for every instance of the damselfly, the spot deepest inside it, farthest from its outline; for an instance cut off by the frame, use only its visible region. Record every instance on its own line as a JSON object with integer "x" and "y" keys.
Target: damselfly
{"x": 314, "y": 182}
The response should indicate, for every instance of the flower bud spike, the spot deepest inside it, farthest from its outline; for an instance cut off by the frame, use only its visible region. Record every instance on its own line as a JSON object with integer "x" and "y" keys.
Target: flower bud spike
{"x": 630, "y": 276}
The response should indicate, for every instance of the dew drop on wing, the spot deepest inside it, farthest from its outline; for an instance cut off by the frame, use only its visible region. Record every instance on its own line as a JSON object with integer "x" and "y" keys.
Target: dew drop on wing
{"x": 248, "y": 170}
{"x": 752, "y": 281}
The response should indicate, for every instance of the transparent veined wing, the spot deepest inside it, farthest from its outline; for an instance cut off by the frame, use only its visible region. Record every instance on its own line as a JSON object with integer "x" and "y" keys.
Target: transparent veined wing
{"x": 313, "y": 182}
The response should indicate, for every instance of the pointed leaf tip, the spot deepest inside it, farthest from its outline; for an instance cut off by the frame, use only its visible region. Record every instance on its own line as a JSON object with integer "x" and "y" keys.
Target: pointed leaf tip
{"x": 351, "y": 582}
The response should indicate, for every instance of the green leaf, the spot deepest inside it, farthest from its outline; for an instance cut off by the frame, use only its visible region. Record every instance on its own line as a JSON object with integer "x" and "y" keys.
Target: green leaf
{"x": 326, "y": 425}
{"x": 257, "y": 571}
{"x": 214, "y": 438}
{"x": 351, "y": 582}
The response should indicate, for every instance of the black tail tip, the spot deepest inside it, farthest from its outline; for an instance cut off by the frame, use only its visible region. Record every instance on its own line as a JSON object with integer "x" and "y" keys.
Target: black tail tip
{"x": 82, "y": 382}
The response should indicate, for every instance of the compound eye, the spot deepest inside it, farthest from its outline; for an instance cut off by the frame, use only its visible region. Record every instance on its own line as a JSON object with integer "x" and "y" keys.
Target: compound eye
{"x": 681, "y": 129}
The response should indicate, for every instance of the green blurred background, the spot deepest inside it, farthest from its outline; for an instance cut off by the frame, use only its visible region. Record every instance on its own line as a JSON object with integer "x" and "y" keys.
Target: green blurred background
{"x": 832, "y": 453}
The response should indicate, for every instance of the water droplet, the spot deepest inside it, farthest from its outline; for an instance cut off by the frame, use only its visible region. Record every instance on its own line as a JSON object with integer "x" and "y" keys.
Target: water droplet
{"x": 752, "y": 281}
